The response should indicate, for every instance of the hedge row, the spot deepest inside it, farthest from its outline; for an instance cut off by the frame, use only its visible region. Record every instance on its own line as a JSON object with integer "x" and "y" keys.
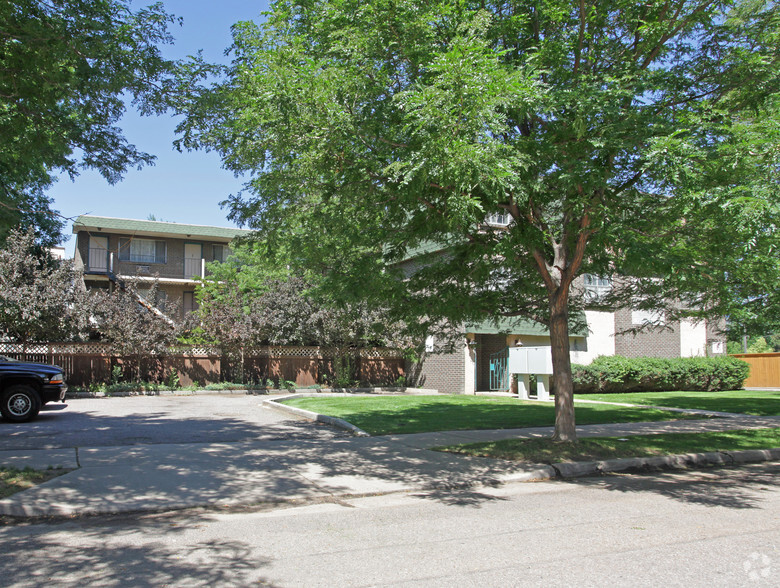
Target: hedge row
{"x": 615, "y": 374}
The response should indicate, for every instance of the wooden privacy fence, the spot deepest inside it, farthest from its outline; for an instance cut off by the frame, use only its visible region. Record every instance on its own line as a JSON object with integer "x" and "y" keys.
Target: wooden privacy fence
{"x": 87, "y": 363}
{"x": 764, "y": 369}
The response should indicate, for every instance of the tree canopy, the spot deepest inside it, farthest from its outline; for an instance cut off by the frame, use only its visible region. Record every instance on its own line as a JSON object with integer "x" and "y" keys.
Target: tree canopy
{"x": 617, "y": 138}
{"x": 66, "y": 69}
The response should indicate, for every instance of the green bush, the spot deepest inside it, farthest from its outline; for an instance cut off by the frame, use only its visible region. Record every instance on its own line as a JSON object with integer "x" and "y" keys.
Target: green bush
{"x": 614, "y": 374}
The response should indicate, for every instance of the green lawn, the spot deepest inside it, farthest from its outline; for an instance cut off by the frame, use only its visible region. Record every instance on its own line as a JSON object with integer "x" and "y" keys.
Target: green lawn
{"x": 383, "y": 415}
{"x": 763, "y": 403}
{"x": 13, "y": 480}
{"x": 600, "y": 448}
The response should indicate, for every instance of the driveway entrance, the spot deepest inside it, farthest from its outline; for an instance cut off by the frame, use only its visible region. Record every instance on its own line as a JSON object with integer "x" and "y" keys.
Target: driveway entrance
{"x": 142, "y": 420}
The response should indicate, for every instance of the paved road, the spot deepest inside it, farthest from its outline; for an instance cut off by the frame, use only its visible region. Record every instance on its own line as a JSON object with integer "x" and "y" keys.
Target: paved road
{"x": 151, "y": 420}
{"x": 702, "y": 528}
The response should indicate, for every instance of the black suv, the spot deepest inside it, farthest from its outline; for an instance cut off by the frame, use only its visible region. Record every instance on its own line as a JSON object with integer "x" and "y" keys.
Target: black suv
{"x": 26, "y": 387}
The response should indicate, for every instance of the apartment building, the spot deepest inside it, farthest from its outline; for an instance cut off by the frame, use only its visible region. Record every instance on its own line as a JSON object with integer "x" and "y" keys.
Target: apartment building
{"x": 110, "y": 250}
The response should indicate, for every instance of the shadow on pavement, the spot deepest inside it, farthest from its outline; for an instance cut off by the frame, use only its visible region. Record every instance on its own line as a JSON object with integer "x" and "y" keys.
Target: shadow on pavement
{"x": 127, "y": 553}
{"x": 736, "y": 488}
{"x": 58, "y": 428}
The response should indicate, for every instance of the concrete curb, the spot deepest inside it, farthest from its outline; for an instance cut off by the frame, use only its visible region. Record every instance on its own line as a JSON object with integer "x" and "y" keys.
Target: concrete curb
{"x": 276, "y": 404}
{"x": 259, "y": 392}
{"x": 683, "y": 461}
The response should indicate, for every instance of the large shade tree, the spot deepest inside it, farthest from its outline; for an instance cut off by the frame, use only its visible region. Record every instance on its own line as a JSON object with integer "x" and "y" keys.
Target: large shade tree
{"x": 66, "y": 69}
{"x": 619, "y": 138}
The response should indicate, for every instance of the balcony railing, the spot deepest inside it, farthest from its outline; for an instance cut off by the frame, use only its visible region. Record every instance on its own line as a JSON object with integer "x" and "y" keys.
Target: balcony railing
{"x": 194, "y": 267}
{"x": 101, "y": 261}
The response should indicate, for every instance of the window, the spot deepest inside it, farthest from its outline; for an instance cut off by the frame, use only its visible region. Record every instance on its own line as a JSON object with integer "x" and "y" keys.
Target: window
{"x": 189, "y": 302}
{"x": 142, "y": 250}
{"x": 499, "y": 219}
{"x": 220, "y": 253}
{"x": 430, "y": 344}
{"x": 160, "y": 297}
{"x": 596, "y": 286}
{"x": 652, "y": 317}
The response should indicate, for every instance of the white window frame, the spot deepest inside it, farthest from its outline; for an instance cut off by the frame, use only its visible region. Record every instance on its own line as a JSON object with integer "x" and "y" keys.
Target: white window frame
{"x": 651, "y": 317}
{"x": 225, "y": 252}
{"x": 129, "y": 250}
{"x": 596, "y": 286}
{"x": 498, "y": 219}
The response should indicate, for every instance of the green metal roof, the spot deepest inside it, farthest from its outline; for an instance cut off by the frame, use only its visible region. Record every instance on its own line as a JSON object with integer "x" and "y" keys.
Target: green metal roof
{"x": 422, "y": 249}
{"x": 515, "y": 326}
{"x": 135, "y": 227}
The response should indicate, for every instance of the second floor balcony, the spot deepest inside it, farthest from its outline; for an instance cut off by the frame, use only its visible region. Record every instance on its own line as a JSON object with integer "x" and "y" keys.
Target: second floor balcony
{"x": 101, "y": 261}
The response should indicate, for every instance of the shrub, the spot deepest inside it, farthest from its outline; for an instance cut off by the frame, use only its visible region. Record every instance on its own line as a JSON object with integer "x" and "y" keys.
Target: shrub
{"x": 613, "y": 374}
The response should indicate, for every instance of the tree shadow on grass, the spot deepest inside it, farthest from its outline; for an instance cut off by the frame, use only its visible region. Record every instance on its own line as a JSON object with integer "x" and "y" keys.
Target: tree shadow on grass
{"x": 759, "y": 403}
{"x": 429, "y": 414}
{"x": 734, "y": 488}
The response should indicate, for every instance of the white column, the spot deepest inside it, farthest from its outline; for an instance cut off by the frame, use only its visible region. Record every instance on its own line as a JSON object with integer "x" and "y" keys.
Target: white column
{"x": 470, "y": 370}
{"x": 523, "y": 386}
{"x": 543, "y": 387}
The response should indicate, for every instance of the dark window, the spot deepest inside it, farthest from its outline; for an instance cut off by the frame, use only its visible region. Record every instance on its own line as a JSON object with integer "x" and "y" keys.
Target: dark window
{"x": 142, "y": 250}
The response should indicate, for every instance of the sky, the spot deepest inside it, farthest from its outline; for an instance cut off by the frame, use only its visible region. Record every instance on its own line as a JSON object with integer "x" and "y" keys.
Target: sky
{"x": 180, "y": 187}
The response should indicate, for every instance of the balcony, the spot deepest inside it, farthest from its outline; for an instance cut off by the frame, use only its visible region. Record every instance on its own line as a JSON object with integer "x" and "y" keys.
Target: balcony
{"x": 180, "y": 269}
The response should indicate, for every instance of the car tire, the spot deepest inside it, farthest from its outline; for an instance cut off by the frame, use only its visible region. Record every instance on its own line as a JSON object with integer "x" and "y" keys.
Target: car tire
{"x": 20, "y": 403}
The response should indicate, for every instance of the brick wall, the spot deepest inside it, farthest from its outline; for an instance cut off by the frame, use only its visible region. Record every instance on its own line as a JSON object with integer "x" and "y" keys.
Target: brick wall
{"x": 655, "y": 343}
{"x": 444, "y": 372}
{"x": 173, "y": 268}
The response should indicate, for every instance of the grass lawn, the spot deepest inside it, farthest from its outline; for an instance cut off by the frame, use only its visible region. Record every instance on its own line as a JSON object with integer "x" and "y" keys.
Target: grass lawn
{"x": 757, "y": 402}
{"x": 13, "y": 480}
{"x": 600, "y": 448}
{"x": 383, "y": 415}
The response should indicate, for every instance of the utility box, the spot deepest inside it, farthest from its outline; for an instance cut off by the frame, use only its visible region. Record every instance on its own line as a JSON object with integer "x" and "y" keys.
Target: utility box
{"x": 527, "y": 361}
{"x": 530, "y": 360}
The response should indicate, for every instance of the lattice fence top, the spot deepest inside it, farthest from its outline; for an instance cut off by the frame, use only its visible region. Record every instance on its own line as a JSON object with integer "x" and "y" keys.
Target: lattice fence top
{"x": 19, "y": 348}
{"x": 196, "y": 350}
{"x": 57, "y": 348}
{"x": 99, "y": 348}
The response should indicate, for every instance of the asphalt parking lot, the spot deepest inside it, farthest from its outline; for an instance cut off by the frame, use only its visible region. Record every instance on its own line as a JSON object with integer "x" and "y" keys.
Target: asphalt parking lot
{"x": 147, "y": 420}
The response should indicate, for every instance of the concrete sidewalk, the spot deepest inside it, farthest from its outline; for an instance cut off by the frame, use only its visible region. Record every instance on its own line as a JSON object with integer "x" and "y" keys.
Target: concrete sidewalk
{"x": 153, "y": 478}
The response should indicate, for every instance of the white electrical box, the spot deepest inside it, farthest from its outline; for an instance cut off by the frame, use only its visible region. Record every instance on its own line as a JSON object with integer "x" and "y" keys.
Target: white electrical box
{"x": 530, "y": 360}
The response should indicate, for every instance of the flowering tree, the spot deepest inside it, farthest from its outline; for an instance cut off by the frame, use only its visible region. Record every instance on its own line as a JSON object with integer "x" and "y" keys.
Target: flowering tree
{"x": 247, "y": 302}
{"x": 136, "y": 330}
{"x": 40, "y": 297}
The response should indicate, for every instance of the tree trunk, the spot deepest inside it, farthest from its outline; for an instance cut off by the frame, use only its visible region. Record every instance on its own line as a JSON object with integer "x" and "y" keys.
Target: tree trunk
{"x": 562, "y": 379}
